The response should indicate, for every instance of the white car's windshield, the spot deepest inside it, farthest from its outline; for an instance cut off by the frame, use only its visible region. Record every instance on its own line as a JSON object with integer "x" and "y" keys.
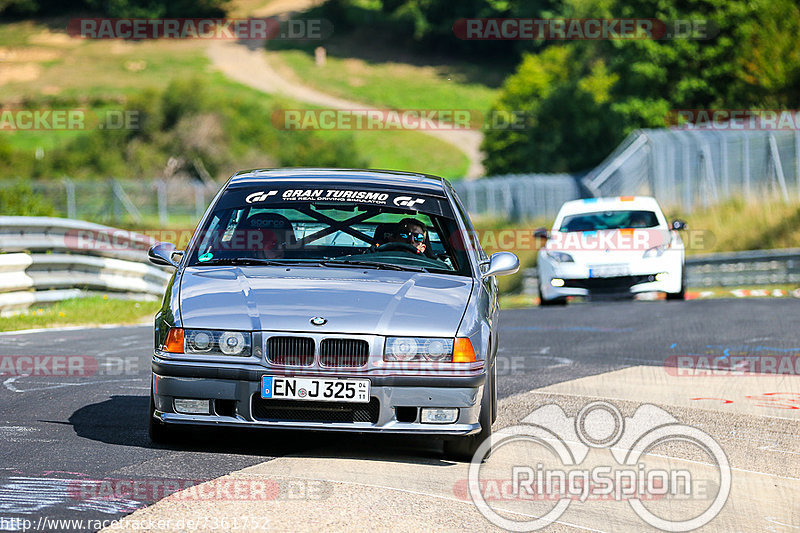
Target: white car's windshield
{"x": 362, "y": 229}
{"x": 609, "y": 220}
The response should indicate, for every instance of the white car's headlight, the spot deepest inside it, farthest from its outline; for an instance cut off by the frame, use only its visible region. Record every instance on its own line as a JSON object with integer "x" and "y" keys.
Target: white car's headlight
{"x": 559, "y": 257}
{"x": 209, "y": 342}
{"x": 655, "y": 251}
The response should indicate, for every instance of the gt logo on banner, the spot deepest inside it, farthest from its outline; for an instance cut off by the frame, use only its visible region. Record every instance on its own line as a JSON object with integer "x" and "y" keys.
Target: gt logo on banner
{"x": 407, "y": 201}
{"x": 259, "y": 196}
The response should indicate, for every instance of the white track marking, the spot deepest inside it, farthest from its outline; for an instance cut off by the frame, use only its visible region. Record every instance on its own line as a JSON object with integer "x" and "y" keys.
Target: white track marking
{"x": 10, "y": 383}
{"x": 73, "y": 328}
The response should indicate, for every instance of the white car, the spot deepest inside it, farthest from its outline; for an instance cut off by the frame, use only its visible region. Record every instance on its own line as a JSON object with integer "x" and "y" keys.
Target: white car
{"x": 612, "y": 246}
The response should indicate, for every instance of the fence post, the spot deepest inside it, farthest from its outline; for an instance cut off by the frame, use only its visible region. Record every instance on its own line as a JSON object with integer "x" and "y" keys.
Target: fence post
{"x": 687, "y": 178}
{"x": 69, "y": 188}
{"x": 161, "y": 195}
{"x": 797, "y": 157}
{"x": 113, "y": 201}
{"x": 125, "y": 200}
{"x": 471, "y": 197}
{"x": 723, "y": 168}
{"x": 777, "y": 166}
{"x": 199, "y": 199}
{"x": 746, "y": 153}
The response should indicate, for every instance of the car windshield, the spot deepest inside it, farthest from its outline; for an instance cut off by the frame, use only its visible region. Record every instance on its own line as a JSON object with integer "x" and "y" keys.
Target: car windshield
{"x": 608, "y": 220}
{"x": 331, "y": 227}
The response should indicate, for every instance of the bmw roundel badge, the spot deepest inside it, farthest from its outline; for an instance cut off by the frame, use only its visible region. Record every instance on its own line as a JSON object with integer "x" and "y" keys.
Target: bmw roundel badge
{"x": 318, "y": 321}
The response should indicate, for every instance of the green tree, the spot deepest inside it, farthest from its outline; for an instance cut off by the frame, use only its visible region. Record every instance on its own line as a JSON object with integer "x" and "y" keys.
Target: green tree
{"x": 606, "y": 89}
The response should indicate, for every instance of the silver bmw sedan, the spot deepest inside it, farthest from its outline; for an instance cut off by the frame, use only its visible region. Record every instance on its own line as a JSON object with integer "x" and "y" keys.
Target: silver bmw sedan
{"x": 330, "y": 299}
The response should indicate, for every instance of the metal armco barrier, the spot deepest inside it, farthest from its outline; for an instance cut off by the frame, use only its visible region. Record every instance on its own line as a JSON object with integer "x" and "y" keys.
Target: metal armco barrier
{"x": 44, "y": 259}
{"x": 757, "y": 267}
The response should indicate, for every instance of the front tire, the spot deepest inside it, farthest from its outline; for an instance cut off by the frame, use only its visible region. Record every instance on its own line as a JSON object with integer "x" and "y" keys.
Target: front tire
{"x": 464, "y": 448}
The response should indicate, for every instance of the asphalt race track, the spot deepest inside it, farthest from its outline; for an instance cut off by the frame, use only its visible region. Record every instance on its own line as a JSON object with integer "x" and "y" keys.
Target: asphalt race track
{"x": 76, "y": 447}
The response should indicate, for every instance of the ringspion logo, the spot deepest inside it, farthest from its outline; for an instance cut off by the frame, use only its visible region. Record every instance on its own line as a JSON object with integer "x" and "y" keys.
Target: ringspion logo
{"x": 551, "y": 466}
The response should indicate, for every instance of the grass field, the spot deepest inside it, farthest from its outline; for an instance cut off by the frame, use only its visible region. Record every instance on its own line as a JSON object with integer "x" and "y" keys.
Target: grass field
{"x": 740, "y": 225}
{"x": 82, "y": 311}
{"x": 389, "y": 83}
{"x": 41, "y": 64}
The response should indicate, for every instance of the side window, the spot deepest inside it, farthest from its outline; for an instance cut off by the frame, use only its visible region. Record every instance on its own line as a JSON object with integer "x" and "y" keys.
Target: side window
{"x": 472, "y": 235}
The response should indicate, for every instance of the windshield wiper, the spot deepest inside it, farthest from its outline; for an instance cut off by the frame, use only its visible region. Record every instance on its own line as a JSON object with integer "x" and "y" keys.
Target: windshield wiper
{"x": 371, "y": 264}
{"x": 245, "y": 261}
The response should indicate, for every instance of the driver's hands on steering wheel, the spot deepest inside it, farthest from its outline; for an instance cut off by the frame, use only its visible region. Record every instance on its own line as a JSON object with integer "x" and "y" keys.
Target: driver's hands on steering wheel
{"x": 398, "y": 246}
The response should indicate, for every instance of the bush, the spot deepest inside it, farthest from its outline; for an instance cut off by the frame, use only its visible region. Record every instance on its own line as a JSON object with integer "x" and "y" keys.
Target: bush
{"x": 20, "y": 199}
{"x": 195, "y": 127}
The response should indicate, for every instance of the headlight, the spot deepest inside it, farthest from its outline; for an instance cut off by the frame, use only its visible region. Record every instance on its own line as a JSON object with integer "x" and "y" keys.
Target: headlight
{"x": 214, "y": 342}
{"x": 559, "y": 257}
{"x": 655, "y": 251}
{"x": 418, "y": 349}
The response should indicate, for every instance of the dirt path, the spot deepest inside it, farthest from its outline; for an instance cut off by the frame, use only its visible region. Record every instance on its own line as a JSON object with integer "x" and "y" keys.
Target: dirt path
{"x": 249, "y": 64}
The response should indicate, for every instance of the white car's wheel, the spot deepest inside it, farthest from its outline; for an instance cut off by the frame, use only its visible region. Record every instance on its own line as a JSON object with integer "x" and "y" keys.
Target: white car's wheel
{"x": 544, "y": 302}
{"x": 681, "y": 295}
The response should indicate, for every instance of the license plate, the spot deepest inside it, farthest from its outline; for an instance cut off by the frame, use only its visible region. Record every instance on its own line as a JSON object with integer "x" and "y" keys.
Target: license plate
{"x": 608, "y": 271}
{"x": 316, "y": 389}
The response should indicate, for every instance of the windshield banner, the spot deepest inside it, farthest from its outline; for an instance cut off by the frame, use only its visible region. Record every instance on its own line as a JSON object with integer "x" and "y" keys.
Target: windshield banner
{"x": 289, "y": 197}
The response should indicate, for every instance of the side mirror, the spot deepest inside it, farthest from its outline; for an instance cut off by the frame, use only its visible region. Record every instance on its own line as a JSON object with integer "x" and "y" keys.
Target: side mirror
{"x": 501, "y": 263}
{"x": 162, "y": 254}
{"x": 679, "y": 225}
{"x": 541, "y": 233}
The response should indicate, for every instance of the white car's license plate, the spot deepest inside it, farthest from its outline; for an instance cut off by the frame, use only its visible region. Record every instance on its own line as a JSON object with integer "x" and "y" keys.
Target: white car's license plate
{"x": 316, "y": 389}
{"x": 608, "y": 271}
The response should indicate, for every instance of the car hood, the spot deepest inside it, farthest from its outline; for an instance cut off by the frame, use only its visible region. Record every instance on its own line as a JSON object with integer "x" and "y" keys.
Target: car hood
{"x": 356, "y": 301}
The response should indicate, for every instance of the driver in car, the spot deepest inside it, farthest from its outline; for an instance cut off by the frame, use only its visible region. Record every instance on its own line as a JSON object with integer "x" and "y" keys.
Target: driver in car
{"x": 412, "y": 231}
{"x": 268, "y": 235}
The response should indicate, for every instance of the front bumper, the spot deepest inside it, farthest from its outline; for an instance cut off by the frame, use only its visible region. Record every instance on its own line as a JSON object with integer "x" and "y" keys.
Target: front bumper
{"x": 641, "y": 277}
{"x": 237, "y": 388}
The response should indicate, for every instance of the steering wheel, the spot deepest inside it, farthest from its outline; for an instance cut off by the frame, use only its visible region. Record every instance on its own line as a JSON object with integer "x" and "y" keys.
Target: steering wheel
{"x": 398, "y": 246}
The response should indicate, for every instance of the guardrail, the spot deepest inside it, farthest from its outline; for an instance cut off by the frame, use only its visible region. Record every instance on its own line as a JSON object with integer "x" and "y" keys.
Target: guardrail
{"x": 45, "y": 259}
{"x": 728, "y": 269}
{"x": 756, "y": 267}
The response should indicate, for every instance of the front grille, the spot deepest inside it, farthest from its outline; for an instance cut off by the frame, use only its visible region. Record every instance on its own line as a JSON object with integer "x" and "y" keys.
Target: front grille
{"x": 302, "y": 411}
{"x": 618, "y": 283}
{"x": 297, "y": 351}
{"x": 343, "y": 352}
